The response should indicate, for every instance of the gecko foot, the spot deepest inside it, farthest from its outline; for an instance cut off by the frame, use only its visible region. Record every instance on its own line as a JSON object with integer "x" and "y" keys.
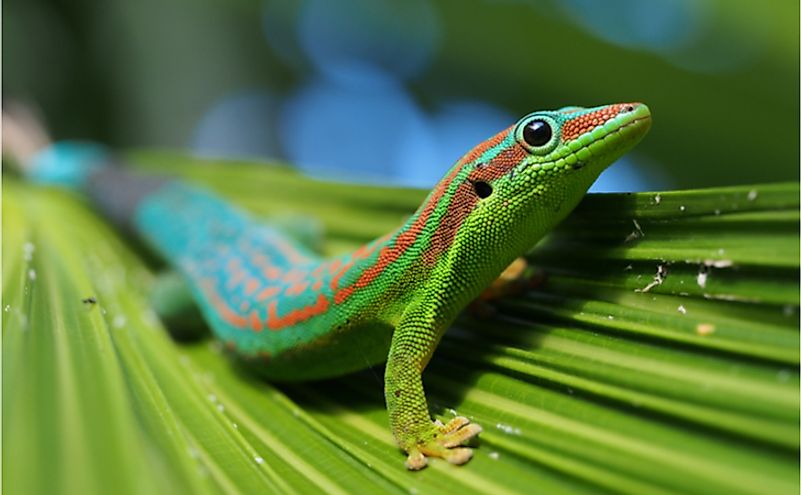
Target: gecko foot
{"x": 514, "y": 280}
{"x": 445, "y": 442}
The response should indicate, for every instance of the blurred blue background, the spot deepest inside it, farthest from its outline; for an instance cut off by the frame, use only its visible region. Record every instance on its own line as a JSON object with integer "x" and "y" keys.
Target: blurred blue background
{"x": 395, "y": 91}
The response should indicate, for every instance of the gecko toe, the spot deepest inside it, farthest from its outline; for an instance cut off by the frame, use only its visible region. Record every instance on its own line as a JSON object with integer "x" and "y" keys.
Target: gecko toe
{"x": 461, "y": 435}
{"x": 416, "y": 460}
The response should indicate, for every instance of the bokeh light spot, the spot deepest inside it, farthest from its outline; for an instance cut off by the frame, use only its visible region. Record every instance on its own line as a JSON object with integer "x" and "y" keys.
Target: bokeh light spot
{"x": 364, "y": 132}
{"x": 660, "y": 25}
{"x": 239, "y": 125}
{"x": 400, "y": 36}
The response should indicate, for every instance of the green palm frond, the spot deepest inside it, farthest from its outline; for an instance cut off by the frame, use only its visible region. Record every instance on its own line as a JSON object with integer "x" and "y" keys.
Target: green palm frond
{"x": 660, "y": 355}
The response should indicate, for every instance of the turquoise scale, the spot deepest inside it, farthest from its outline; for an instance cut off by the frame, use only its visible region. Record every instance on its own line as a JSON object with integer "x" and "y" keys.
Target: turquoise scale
{"x": 230, "y": 259}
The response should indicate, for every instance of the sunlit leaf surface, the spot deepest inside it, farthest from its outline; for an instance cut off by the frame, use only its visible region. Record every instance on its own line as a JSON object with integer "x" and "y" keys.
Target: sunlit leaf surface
{"x": 659, "y": 355}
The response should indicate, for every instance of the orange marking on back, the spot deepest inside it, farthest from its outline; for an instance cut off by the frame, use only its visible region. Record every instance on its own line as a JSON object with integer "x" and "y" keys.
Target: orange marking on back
{"x": 317, "y": 285}
{"x": 255, "y": 321}
{"x": 364, "y": 252}
{"x": 227, "y": 314}
{"x": 267, "y": 293}
{"x": 292, "y": 254}
{"x": 296, "y": 289}
{"x": 294, "y": 275}
{"x": 295, "y": 316}
{"x": 251, "y": 285}
{"x": 263, "y": 263}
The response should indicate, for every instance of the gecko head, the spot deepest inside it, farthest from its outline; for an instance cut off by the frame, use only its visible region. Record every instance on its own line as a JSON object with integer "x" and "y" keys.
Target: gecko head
{"x": 549, "y": 157}
{"x": 513, "y": 188}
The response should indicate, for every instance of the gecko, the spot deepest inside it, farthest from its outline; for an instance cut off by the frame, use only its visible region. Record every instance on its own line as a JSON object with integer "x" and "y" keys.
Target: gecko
{"x": 298, "y": 316}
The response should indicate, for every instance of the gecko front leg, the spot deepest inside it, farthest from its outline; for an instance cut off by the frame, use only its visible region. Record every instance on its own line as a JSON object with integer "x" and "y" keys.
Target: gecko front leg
{"x": 413, "y": 343}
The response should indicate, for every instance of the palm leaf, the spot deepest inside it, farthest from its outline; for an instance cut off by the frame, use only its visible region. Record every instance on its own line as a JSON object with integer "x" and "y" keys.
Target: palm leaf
{"x": 659, "y": 356}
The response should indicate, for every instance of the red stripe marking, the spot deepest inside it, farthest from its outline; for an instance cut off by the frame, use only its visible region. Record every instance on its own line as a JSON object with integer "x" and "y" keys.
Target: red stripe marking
{"x": 582, "y": 124}
{"x": 479, "y": 150}
{"x": 342, "y": 295}
{"x": 364, "y": 252}
{"x": 402, "y": 242}
{"x": 295, "y": 316}
{"x": 501, "y": 165}
{"x": 464, "y": 199}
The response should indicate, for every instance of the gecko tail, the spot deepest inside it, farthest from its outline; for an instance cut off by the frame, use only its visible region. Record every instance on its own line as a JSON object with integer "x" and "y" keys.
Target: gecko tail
{"x": 68, "y": 164}
{"x": 82, "y": 166}
{"x": 26, "y": 141}
{"x": 92, "y": 170}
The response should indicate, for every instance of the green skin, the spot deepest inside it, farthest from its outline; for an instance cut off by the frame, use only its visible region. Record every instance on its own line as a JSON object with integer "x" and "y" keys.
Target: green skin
{"x": 300, "y": 317}
{"x": 529, "y": 197}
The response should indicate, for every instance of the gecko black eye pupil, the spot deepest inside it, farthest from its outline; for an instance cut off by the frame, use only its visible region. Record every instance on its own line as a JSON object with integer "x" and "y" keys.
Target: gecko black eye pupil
{"x": 482, "y": 189}
{"x": 537, "y": 133}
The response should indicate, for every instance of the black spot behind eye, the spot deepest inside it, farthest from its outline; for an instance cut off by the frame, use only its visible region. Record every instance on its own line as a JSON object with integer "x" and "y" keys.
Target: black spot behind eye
{"x": 483, "y": 190}
{"x": 537, "y": 133}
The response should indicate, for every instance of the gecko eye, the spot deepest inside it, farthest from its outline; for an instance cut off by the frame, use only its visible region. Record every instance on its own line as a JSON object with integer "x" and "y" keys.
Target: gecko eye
{"x": 483, "y": 190}
{"x": 537, "y": 133}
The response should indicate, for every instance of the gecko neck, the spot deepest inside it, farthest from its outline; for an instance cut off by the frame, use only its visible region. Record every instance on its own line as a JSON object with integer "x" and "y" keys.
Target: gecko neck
{"x": 391, "y": 270}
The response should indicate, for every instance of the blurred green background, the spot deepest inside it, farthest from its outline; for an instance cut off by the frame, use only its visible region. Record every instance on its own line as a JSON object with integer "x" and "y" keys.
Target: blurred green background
{"x": 395, "y": 91}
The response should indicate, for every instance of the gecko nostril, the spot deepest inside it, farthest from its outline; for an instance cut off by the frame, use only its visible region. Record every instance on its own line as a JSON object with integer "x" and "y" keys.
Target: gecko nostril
{"x": 628, "y": 108}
